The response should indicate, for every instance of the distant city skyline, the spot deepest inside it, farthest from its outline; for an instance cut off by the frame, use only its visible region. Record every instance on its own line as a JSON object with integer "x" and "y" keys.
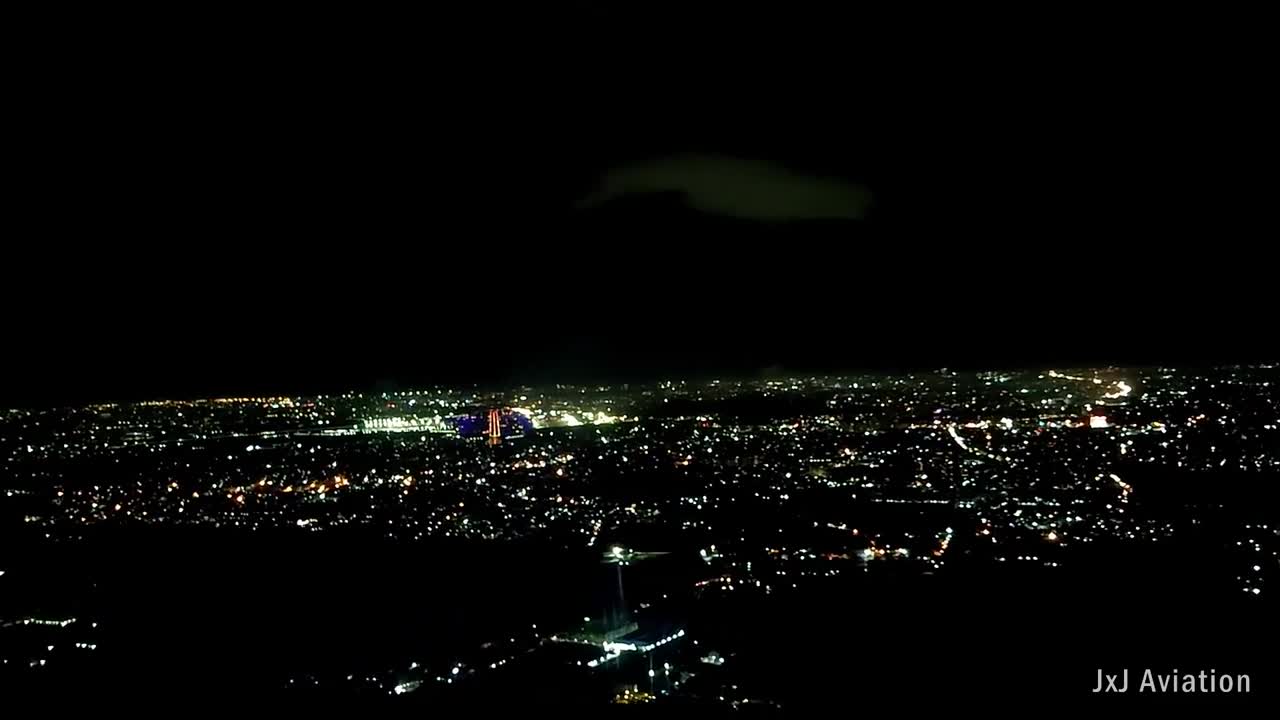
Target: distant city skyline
{"x": 619, "y": 353}
{"x": 613, "y": 541}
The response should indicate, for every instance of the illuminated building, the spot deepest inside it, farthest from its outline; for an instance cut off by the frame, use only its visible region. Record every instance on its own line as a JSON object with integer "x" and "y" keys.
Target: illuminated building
{"x": 434, "y": 424}
{"x": 494, "y": 424}
{"x": 495, "y": 427}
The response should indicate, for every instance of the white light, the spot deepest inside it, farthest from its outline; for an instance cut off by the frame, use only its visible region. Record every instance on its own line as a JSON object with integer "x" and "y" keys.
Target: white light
{"x": 651, "y": 672}
{"x": 1123, "y": 391}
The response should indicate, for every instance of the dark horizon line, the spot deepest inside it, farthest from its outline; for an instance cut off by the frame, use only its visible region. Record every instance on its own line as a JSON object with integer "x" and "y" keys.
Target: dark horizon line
{"x": 733, "y": 375}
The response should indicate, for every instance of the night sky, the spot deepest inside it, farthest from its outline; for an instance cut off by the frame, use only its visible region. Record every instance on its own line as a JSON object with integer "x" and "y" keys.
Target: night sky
{"x": 312, "y": 205}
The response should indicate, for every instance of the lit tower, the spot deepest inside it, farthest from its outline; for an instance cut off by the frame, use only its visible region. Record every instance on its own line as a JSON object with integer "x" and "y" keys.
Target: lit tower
{"x": 495, "y": 426}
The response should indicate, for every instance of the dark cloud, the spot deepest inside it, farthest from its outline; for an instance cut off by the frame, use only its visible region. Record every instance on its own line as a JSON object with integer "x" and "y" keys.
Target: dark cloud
{"x": 734, "y": 187}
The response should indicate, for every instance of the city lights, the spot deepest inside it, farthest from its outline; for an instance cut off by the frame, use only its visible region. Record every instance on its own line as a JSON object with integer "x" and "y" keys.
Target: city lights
{"x": 650, "y": 503}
